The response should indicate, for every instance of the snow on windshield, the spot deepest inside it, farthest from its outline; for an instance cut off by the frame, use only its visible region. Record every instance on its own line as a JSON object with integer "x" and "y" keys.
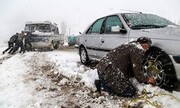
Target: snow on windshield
{"x": 39, "y": 27}
{"x": 138, "y": 19}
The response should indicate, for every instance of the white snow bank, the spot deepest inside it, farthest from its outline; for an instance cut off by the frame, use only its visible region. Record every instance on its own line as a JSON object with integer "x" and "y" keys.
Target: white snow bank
{"x": 17, "y": 92}
{"x": 13, "y": 92}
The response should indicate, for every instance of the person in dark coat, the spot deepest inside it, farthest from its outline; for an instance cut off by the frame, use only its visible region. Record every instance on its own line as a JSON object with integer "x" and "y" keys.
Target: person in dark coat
{"x": 11, "y": 43}
{"x": 19, "y": 43}
{"x": 120, "y": 64}
{"x": 27, "y": 42}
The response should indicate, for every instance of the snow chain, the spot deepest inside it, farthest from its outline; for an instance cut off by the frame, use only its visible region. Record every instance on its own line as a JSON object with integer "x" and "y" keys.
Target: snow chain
{"x": 147, "y": 99}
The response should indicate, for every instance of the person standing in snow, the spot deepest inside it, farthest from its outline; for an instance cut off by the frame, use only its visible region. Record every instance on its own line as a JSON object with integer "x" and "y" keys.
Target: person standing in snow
{"x": 11, "y": 43}
{"x": 19, "y": 43}
{"x": 123, "y": 62}
{"x": 27, "y": 42}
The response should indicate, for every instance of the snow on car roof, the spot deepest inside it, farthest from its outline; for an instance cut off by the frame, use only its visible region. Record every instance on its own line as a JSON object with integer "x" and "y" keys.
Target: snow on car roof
{"x": 38, "y": 22}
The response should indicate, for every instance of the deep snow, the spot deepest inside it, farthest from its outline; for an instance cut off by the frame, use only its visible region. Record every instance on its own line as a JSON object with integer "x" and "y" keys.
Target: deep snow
{"x": 57, "y": 79}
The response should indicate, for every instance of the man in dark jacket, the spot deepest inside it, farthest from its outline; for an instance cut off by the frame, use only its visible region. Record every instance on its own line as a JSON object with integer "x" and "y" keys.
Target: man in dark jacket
{"x": 120, "y": 64}
{"x": 19, "y": 43}
{"x": 27, "y": 42}
{"x": 11, "y": 43}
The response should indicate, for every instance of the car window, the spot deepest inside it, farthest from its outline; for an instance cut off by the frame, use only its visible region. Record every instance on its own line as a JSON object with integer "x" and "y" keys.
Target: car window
{"x": 145, "y": 21}
{"x": 96, "y": 27}
{"x": 112, "y": 21}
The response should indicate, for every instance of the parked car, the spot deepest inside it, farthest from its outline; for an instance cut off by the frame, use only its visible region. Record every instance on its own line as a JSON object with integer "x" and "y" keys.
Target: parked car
{"x": 72, "y": 40}
{"x": 45, "y": 35}
{"x": 162, "y": 59}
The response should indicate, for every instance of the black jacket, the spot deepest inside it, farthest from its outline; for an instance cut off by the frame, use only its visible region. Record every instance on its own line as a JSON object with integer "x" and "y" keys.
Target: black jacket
{"x": 118, "y": 65}
{"x": 13, "y": 38}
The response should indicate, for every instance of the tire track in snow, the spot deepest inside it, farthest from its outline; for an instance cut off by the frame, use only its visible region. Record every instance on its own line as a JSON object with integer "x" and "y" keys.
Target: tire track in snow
{"x": 53, "y": 89}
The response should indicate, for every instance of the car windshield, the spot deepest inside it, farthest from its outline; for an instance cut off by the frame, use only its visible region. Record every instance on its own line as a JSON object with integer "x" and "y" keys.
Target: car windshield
{"x": 39, "y": 27}
{"x": 145, "y": 21}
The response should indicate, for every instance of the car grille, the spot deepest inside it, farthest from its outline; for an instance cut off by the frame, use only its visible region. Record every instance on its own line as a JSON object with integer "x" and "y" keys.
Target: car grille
{"x": 38, "y": 39}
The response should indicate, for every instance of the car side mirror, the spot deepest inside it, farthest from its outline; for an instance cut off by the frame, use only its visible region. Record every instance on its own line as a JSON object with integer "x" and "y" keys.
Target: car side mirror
{"x": 117, "y": 29}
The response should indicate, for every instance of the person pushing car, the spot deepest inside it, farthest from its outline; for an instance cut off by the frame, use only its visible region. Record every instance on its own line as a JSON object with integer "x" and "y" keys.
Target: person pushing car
{"x": 11, "y": 43}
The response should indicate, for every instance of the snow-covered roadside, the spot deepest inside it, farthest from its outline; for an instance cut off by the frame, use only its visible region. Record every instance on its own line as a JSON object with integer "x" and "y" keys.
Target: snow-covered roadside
{"x": 57, "y": 79}
{"x": 88, "y": 76}
{"x": 33, "y": 85}
{"x": 70, "y": 66}
{"x": 13, "y": 92}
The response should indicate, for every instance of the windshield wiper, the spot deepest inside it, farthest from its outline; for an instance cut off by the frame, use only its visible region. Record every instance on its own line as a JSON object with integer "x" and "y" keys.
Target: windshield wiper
{"x": 147, "y": 26}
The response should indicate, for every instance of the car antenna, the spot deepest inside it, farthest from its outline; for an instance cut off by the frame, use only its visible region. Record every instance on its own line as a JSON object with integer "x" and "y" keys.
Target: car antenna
{"x": 131, "y": 10}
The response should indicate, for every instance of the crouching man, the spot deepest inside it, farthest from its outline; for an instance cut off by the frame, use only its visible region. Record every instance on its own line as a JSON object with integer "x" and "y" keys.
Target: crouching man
{"x": 120, "y": 64}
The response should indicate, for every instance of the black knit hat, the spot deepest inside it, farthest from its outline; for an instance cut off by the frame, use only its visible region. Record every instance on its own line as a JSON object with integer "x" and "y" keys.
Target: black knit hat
{"x": 143, "y": 40}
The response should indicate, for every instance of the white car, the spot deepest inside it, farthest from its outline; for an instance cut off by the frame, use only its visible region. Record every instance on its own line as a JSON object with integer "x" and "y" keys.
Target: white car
{"x": 106, "y": 33}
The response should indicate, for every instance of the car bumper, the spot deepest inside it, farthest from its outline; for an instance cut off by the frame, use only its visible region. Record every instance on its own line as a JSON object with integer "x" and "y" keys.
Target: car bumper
{"x": 41, "y": 44}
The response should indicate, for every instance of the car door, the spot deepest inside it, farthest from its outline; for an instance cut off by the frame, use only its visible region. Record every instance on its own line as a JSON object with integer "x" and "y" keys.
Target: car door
{"x": 92, "y": 38}
{"x": 111, "y": 36}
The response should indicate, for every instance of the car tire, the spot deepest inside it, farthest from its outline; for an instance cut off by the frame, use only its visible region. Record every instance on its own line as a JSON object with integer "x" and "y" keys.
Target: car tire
{"x": 158, "y": 64}
{"x": 83, "y": 56}
{"x": 56, "y": 46}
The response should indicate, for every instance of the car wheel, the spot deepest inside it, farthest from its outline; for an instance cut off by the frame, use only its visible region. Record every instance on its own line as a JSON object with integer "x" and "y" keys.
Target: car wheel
{"x": 56, "y": 46}
{"x": 158, "y": 64}
{"x": 83, "y": 56}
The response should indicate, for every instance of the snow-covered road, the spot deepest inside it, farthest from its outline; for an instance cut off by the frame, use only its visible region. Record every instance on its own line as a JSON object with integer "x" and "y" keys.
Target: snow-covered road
{"x": 57, "y": 79}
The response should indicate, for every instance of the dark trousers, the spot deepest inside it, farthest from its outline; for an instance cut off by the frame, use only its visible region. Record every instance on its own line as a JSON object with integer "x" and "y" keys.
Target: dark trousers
{"x": 10, "y": 47}
{"x": 17, "y": 46}
{"x": 129, "y": 91}
{"x": 28, "y": 46}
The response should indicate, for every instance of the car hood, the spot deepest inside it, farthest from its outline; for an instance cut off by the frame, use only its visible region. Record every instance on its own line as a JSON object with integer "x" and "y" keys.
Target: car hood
{"x": 42, "y": 33}
{"x": 169, "y": 32}
{"x": 167, "y": 38}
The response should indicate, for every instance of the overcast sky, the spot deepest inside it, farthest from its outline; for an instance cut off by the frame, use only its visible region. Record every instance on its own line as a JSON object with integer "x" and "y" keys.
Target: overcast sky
{"x": 77, "y": 14}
